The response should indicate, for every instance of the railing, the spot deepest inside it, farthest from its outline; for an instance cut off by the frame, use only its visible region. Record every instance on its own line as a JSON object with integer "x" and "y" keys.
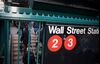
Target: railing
{"x": 28, "y": 15}
{"x": 16, "y": 51}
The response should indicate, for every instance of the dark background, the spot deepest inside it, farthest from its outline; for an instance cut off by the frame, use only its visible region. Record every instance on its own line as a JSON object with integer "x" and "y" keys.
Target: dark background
{"x": 83, "y": 3}
{"x": 94, "y": 4}
{"x": 86, "y": 50}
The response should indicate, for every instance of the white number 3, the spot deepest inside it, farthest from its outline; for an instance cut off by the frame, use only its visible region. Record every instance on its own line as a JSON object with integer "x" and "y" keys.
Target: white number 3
{"x": 70, "y": 44}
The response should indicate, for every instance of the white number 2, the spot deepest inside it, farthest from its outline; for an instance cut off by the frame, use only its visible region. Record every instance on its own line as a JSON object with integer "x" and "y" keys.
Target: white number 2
{"x": 70, "y": 42}
{"x": 55, "y": 41}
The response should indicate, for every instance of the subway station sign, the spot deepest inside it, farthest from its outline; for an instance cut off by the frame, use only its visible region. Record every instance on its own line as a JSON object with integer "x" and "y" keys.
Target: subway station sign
{"x": 71, "y": 44}
{"x": 54, "y": 29}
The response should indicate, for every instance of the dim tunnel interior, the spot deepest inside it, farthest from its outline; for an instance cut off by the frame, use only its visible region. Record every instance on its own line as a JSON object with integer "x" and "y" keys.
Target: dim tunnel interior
{"x": 27, "y": 43}
{"x": 30, "y": 32}
{"x": 23, "y": 44}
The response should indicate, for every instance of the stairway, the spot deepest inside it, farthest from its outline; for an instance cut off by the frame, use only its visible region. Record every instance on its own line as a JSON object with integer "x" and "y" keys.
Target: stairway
{"x": 14, "y": 47}
{"x": 34, "y": 40}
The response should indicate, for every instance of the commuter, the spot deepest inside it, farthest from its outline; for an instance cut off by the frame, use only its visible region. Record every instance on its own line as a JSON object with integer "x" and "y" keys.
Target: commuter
{"x": 32, "y": 58}
{"x": 24, "y": 37}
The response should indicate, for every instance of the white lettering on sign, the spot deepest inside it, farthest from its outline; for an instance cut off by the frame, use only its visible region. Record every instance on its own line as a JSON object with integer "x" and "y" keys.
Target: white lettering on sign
{"x": 56, "y": 30}
{"x": 71, "y": 30}
{"x": 55, "y": 41}
{"x": 70, "y": 42}
{"x": 93, "y": 31}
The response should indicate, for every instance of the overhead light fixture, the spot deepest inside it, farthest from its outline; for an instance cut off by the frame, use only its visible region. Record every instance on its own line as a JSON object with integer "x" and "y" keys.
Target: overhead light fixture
{"x": 1, "y": 5}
